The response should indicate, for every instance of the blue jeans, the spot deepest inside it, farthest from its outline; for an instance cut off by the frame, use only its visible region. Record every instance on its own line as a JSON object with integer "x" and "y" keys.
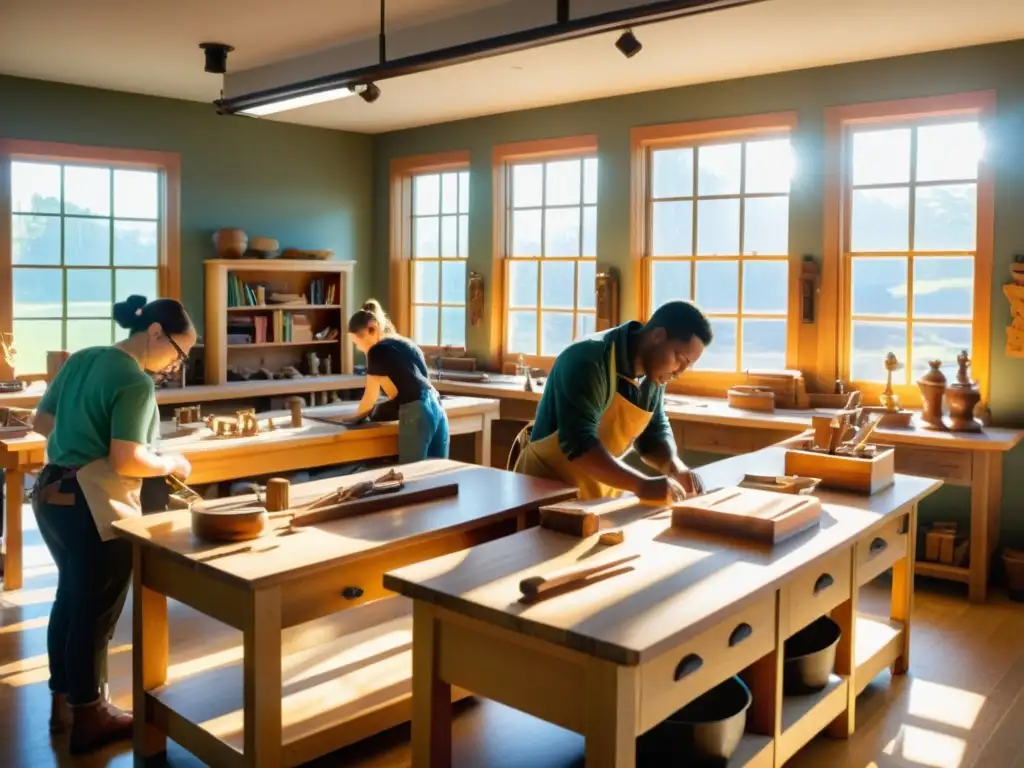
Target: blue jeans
{"x": 422, "y": 430}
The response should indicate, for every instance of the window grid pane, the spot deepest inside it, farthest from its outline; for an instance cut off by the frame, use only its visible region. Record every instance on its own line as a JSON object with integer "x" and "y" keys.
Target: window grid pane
{"x": 551, "y": 222}
{"x": 913, "y": 186}
{"x": 735, "y": 197}
{"x": 88, "y": 219}
{"x": 439, "y": 249}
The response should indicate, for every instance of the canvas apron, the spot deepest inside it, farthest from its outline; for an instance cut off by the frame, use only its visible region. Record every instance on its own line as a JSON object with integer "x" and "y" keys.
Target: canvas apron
{"x": 109, "y": 495}
{"x": 621, "y": 423}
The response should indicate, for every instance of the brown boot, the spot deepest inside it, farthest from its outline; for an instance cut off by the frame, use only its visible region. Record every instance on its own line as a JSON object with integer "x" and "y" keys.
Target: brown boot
{"x": 60, "y": 713}
{"x": 98, "y": 724}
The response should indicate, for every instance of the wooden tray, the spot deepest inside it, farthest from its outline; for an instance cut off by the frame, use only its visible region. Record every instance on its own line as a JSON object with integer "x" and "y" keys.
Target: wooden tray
{"x": 844, "y": 473}
{"x": 751, "y": 398}
{"x": 890, "y": 419}
{"x": 750, "y": 514}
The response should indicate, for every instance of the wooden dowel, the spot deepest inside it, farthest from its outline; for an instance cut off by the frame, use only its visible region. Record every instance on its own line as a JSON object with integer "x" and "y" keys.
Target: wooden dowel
{"x": 536, "y": 585}
{"x": 295, "y": 404}
{"x": 277, "y": 494}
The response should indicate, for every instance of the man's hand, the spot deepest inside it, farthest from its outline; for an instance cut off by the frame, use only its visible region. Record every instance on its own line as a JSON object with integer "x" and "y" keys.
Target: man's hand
{"x": 660, "y": 491}
{"x": 688, "y": 480}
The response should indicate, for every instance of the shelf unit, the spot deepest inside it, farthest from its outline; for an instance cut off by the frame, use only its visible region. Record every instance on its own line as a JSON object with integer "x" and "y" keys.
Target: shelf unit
{"x": 282, "y": 276}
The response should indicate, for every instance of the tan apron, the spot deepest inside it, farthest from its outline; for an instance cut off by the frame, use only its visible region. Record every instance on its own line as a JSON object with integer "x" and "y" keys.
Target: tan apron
{"x": 621, "y": 424}
{"x": 109, "y": 495}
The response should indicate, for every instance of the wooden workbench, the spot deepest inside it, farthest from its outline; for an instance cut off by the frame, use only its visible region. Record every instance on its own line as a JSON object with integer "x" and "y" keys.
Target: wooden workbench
{"x": 213, "y": 459}
{"x": 604, "y": 660}
{"x": 345, "y": 685}
{"x": 709, "y": 425}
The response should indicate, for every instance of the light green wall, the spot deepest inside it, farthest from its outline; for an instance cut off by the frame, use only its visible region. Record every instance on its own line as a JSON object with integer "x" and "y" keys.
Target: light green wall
{"x": 307, "y": 187}
{"x": 809, "y": 92}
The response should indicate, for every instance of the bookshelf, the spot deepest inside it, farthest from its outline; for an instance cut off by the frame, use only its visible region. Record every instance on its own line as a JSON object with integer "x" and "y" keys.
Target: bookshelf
{"x": 270, "y": 313}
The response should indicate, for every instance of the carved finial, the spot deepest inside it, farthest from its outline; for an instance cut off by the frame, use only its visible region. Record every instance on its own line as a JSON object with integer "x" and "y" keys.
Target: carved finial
{"x": 962, "y": 376}
{"x": 892, "y": 363}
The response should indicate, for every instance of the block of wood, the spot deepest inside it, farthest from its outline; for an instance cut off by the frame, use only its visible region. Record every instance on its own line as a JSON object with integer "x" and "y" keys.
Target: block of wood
{"x": 581, "y": 518}
{"x": 747, "y": 513}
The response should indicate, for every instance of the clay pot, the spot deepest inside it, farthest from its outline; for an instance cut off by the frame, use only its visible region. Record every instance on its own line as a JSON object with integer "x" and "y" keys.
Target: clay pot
{"x": 230, "y": 243}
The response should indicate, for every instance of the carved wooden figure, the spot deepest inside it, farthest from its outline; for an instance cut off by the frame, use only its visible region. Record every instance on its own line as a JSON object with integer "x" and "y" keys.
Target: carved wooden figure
{"x": 888, "y": 400}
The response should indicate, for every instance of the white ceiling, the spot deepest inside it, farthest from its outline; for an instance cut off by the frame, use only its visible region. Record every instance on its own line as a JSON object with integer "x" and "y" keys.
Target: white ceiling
{"x": 151, "y": 47}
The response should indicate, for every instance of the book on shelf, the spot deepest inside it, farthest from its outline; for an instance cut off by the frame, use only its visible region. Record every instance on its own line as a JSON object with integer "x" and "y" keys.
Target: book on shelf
{"x": 242, "y": 294}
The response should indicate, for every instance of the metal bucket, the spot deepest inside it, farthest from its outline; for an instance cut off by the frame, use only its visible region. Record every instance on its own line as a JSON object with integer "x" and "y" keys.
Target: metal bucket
{"x": 810, "y": 657}
{"x": 703, "y": 734}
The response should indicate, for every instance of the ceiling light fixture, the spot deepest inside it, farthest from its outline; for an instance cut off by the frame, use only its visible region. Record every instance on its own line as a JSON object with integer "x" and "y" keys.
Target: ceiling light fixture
{"x": 628, "y": 45}
{"x": 216, "y": 57}
{"x": 368, "y": 93}
{"x": 307, "y": 100}
{"x": 564, "y": 29}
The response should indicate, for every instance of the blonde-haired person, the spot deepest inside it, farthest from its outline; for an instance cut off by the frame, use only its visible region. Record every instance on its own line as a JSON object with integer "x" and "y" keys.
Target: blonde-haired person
{"x": 396, "y": 365}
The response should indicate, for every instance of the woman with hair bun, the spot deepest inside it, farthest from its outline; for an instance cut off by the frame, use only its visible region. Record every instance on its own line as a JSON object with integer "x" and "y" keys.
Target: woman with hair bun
{"x": 99, "y": 416}
{"x": 397, "y": 365}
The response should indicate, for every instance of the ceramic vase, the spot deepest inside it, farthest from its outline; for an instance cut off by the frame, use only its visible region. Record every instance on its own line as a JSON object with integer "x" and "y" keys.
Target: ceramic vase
{"x": 230, "y": 243}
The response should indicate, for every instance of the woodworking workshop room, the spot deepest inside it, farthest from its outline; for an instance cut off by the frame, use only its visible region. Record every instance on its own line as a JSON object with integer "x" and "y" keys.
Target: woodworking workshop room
{"x": 512, "y": 384}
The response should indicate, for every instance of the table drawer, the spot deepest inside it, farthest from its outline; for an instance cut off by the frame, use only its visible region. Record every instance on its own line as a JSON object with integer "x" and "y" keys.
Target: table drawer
{"x": 714, "y": 438}
{"x": 816, "y": 590}
{"x": 877, "y": 552}
{"x": 676, "y": 677}
{"x": 952, "y": 466}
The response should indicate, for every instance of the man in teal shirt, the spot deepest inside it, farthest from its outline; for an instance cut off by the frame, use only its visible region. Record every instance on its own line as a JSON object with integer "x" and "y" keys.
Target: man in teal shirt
{"x": 604, "y": 398}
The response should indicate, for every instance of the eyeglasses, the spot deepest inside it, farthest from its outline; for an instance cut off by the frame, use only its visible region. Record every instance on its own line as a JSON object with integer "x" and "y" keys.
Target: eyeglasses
{"x": 182, "y": 357}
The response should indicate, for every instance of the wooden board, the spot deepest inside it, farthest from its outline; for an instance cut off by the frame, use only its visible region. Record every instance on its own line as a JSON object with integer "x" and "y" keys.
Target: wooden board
{"x": 747, "y": 513}
{"x": 415, "y": 492}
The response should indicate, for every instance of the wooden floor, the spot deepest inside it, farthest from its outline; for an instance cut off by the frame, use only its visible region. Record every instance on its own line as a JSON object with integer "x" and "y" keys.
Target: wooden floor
{"x": 962, "y": 706}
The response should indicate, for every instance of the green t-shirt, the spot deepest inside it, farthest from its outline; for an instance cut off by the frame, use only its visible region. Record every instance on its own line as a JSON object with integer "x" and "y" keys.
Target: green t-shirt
{"x": 576, "y": 394}
{"x": 99, "y": 395}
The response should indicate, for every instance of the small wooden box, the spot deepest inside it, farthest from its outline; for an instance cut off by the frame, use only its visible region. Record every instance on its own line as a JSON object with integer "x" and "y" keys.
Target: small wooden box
{"x": 747, "y": 513}
{"x": 845, "y": 473}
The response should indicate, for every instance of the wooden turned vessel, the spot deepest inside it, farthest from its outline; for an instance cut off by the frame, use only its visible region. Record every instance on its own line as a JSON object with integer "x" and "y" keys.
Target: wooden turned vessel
{"x": 962, "y": 397}
{"x": 933, "y": 387}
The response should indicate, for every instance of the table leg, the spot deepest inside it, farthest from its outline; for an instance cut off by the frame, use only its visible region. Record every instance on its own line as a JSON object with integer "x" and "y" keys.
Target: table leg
{"x": 14, "y": 493}
{"x": 903, "y": 592}
{"x": 609, "y": 724}
{"x": 149, "y": 656}
{"x": 845, "y": 615}
{"x": 262, "y": 689}
{"x": 986, "y": 501}
{"x": 482, "y": 440}
{"x": 431, "y": 696}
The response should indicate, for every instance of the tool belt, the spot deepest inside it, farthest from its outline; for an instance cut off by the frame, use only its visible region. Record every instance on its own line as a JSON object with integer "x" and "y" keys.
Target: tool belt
{"x": 57, "y": 486}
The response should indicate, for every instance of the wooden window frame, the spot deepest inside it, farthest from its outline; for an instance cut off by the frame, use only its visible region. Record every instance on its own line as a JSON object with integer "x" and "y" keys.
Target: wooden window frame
{"x": 694, "y": 134}
{"x": 503, "y": 157}
{"x": 834, "y": 332}
{"x": 168, "y": 164}
{"x": 402, "y": 172}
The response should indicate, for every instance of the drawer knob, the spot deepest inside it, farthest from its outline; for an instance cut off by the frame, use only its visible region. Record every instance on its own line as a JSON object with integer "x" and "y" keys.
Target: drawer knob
{"x": 352, "y": 593}
{"x": 690, "y": 664}
{"x": 824, "y": 582}
{"x": 741, "y": 633}
{"x": 878, "y": 544}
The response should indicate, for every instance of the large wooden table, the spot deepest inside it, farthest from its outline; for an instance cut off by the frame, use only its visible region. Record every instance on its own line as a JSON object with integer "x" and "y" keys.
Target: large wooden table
{"x": 346, "y": 684}
{"x": 709, "y": 425}
{"x": 316, "y": 443}
{"x": 605, "y": 660}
